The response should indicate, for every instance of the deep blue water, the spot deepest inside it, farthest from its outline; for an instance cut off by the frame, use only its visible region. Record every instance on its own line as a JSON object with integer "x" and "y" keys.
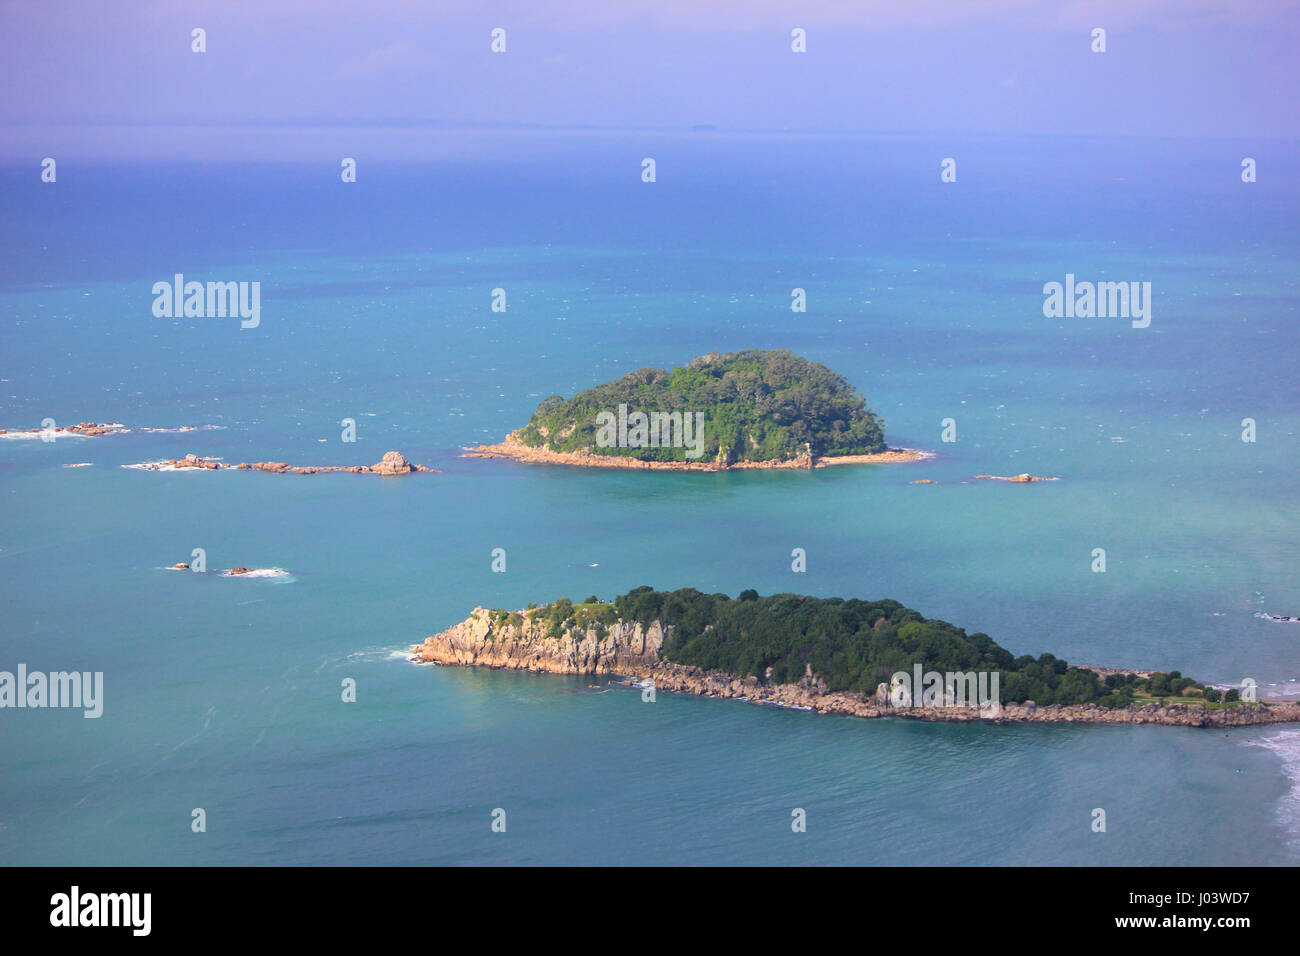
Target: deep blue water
{"x": 225, "y": 694}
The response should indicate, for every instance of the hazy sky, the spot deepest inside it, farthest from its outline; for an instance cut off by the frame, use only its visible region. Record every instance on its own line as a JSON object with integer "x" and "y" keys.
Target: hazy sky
{"x": 100, "y": 78}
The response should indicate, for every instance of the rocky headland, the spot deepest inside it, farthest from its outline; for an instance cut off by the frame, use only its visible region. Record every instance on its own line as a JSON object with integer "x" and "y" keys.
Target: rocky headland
{"x": 522, "y": 640}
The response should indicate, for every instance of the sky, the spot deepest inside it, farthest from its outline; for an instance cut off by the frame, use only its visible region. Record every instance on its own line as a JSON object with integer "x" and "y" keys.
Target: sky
{"x": 281, "y": 78}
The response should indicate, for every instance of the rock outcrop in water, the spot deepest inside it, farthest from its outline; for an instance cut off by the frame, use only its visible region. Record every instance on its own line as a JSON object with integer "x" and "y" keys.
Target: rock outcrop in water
{"x": 522, "y": 641}
{"x": 393, "y": 463}
{"x": 97, "y": 430}
{"x": 84, "y": 429}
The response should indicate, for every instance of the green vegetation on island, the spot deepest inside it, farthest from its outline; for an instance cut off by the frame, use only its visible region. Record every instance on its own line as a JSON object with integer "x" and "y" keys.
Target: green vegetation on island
{"x": 756, "y": 406}
{"x": 853, "y": 646}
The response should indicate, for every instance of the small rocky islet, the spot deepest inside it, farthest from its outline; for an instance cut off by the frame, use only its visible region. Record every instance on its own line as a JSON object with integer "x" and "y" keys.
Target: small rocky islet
{"x": 236, "y": 572}
{"x": 95, "y": 430}
{"x": 393, "y": 463}
{"x": 84, "y": 429}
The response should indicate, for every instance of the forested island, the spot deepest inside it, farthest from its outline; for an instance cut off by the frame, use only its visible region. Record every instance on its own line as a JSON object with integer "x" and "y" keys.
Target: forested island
{"x": 758, "y": 409}
{"x": 830, "y": 655}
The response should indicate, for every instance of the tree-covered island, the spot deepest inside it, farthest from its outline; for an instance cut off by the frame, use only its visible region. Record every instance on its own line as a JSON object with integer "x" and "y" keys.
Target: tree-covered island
{"x": 742, "y": 409}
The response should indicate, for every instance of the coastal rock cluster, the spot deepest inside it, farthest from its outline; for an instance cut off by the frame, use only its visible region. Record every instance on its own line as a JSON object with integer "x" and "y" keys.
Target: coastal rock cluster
{"x": 86, "y": 429}
{"x": 393, "y": 463}
{"x": 521, "y": 641}
{"x": 237, "y": 572}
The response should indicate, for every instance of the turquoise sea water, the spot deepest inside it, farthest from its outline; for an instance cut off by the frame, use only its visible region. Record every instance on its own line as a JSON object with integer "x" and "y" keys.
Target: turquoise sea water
{"x": 225, "y": 694}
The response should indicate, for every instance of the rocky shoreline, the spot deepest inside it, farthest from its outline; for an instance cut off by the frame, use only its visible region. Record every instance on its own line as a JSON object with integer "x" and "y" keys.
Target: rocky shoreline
{"x": 393, "y": 463}
{"x": 632, "y": 650}
{"x": 516, "y": 450}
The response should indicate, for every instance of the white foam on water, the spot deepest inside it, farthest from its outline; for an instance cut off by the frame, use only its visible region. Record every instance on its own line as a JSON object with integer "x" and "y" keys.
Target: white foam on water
{"x": 181, "y": 428}
{"x": 369, "y": 654}
{"x": 259, "y": 573}
{"x": 167, "y": 466}
{"x": 1286, "y": 744}
{"x": 54, "y": 434}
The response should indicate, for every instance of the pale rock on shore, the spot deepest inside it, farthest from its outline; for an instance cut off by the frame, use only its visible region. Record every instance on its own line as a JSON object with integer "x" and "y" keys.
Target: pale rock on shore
{"x": 516, "y": 450}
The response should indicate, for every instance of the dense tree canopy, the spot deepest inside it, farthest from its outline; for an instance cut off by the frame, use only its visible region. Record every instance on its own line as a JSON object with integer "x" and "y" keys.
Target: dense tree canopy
{"x": 852, "y": 645}
{"x": 757, "y": 406}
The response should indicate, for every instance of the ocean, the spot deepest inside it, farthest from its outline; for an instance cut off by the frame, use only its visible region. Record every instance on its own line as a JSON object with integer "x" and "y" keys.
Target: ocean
{"x": 225, "y": 694}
